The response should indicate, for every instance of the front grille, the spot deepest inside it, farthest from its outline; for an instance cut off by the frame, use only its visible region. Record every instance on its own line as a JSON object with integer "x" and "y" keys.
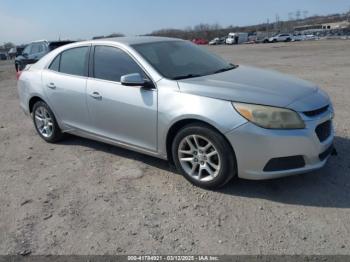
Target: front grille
{"x": 316, "y": 112}
{"x": 284, "y": 163}
{"x": 326, "y": 153}
{"x": 323, "y": 130}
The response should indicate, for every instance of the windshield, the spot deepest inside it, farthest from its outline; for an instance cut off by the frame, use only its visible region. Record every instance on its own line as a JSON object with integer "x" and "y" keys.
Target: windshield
{"x": 181, "y": 59}
{"x": 27, "y": 49}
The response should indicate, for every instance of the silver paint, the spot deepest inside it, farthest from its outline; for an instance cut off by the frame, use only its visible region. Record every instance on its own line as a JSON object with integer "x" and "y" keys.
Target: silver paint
{"x": 140, "y": 119}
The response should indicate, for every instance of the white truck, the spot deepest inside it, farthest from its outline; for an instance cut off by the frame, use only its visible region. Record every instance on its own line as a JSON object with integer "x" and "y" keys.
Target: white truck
{"x": 236, "y": 38}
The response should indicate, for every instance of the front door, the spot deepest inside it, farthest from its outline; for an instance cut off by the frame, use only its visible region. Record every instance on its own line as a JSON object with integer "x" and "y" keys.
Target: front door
{"x": 127, "y": 114}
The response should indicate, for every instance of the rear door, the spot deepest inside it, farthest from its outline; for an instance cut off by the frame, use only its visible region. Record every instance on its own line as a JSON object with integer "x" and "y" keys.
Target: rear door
{"x": 127, "y": 114}
{"x": 65, "y": 86}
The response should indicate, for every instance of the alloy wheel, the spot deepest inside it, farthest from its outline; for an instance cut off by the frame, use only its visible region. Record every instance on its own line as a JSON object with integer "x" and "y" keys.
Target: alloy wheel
{"x": 199, "y": 158}
{"x": 44, "y": 121}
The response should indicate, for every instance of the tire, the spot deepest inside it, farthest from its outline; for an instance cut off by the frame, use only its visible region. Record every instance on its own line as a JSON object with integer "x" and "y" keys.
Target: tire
{"x": 221, "y": 164}
{"x": 47, "y": 127}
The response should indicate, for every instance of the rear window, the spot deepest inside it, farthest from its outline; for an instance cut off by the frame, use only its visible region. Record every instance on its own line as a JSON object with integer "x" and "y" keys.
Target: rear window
{"x": 74, "y": 61}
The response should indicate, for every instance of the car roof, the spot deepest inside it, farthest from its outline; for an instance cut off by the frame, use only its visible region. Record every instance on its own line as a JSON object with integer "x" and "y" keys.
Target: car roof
{"x": 38, "y": 41}
{"x": 137, "y": 40}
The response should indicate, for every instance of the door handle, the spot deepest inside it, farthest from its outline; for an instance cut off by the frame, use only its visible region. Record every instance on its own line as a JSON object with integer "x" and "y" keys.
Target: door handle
{"x": 96, "y": 95}
{"x": 51, "y": 85}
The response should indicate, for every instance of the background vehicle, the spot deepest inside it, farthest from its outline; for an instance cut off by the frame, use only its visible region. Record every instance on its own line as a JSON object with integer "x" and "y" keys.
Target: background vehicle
{"x": 36, "y": 50}
{"x": 236, "y": 38}
{"x": 218, "y": 41}
{"x": 200, "y": 41}
{"x": 281, "y": 38}
{"x": 299, "y": 37}
{"x": 12, "y": 53}
{"x": 215, "y": 41}
{"x": 3, "y": 56}
{"x": 310, "y": 37}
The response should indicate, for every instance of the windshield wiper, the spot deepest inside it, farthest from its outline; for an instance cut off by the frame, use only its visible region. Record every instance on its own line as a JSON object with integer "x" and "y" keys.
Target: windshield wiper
{"x": 186, "y": 76}
{"x": 225, "y": 69}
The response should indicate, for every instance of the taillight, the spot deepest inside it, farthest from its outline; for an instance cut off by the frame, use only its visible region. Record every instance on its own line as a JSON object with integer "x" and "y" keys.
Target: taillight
{"x": 18, "y": 74}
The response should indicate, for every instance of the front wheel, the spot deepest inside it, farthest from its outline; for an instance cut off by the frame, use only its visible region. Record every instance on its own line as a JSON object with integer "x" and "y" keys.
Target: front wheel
{"x": 203, "y": 156}
{"x": 45, "y": 123}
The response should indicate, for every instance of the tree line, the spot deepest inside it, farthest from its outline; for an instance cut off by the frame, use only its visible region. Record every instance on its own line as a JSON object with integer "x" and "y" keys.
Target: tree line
{"x": 210, "y": 31}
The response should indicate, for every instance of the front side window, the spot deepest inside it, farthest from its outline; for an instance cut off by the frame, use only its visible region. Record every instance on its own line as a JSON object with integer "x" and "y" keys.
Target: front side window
{"x": 110, "y": 63}
{"x": 74, "y": 61}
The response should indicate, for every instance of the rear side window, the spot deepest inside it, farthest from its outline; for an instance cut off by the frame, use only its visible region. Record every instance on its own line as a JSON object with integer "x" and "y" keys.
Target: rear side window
{"x": 55, "y": 65}
{"x": 110, "y": 63}
{"x": 74, "y": 61}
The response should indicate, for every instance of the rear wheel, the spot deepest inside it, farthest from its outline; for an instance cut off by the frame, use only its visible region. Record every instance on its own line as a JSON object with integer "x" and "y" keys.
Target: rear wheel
{"x": 203, "y": 156}
{"x": 45, "y": 123}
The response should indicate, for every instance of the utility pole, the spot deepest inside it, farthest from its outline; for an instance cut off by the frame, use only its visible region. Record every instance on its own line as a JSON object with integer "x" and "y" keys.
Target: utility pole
{"x": 277, "y": 23}
{"x": 267, "y": 28}
{"x": 290, "y": 16}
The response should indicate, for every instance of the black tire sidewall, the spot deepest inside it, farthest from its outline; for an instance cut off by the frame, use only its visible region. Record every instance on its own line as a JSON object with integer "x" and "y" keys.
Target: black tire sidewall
{"x": 227, "y": 157}
{"x": 56, "y": 134}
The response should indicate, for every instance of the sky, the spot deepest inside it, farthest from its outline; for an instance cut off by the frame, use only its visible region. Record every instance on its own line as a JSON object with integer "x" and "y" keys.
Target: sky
{"x": 22, "y": 21}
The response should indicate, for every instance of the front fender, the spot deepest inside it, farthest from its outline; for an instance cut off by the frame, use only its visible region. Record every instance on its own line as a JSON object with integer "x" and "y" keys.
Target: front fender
{"x": 176, "y": 106}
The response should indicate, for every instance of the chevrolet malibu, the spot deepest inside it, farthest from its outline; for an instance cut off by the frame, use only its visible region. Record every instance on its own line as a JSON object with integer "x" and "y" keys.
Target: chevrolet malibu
{"x": 171, "y": 99}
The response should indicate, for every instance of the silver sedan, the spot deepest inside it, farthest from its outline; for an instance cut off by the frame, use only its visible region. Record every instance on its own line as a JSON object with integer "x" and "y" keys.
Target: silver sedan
{"x": 174, "y": 100}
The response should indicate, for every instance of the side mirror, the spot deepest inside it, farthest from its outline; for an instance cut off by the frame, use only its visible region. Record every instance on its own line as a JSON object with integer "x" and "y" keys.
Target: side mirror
{"x": 136, "y": 80}
{"x": 132, "y": 80}
{"x": 25, "y": 55}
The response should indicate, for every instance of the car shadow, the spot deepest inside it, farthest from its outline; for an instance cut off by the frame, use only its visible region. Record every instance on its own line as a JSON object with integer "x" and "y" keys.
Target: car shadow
{"x": 118, "y": 151}
{"x": 327, "y": 187}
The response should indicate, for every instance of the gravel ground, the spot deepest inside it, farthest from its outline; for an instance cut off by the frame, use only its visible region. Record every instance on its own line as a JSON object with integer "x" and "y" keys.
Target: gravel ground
{"x": 85, "y": 197}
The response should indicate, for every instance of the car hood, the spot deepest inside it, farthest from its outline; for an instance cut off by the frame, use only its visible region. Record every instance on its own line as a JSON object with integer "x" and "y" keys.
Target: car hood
{"x": 250, "y": 85}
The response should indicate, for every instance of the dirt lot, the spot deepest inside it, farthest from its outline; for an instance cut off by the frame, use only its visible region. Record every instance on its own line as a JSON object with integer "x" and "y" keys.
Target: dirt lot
{"x": 84, "y": 197}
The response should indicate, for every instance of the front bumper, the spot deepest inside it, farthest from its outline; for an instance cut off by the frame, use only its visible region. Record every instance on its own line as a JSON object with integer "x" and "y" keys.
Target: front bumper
{"x": 255, "y": 147}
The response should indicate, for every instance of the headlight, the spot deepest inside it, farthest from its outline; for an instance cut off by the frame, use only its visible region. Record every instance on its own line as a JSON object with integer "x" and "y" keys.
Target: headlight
{"x": 270, "y": 117}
